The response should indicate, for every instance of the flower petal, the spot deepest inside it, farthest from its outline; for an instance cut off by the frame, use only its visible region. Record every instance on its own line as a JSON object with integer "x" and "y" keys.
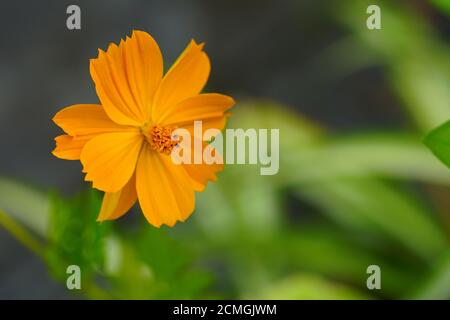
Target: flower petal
{"x": 69, "y": 148}
{"x": 164, "y": 189}
{"x": 186, "y": 78}
{"x": 144, "y": 67}
{"x": 200, "y": 107}
{"x": 110, "y": 159}
{"x": 213, "y": 123}
{"x": 202, "y": 173}
{"x": 118, "y": 203}
{"x": 126, "y": 77}
{"x": 86, "y": 120}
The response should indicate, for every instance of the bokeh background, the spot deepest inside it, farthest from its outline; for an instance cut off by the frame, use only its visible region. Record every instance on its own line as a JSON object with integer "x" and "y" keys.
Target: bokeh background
{"x": 356, "y": 185}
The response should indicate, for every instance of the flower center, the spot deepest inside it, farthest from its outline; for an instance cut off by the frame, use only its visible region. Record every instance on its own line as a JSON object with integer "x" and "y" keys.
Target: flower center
{"x": 161, "y": 138}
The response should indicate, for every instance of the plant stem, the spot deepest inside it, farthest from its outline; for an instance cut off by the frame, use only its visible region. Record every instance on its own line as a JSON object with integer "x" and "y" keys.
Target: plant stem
{"x": 21, "y": 234}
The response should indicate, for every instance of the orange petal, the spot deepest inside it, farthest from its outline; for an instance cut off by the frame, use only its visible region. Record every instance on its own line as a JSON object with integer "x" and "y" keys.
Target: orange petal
{"x": 201, "y": 173}
{"x": 69, "y": 148}
{"x": 118, "y": 203}
{"x": 86, "y": 120}
{"x": 144, "y": 66}
{"x": 126, "y": 77}
{"x": 164, "y": 189}
{"x": 186, "y": 78}
{"x": 200, "y": 107}
{"x": 213, "y": 123}
{"x": 110, "y": 159}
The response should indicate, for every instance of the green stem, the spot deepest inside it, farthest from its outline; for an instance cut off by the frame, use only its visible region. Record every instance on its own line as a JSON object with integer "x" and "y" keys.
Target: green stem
{"x": 21, "y": 234}
{"x": 35, "y": 245}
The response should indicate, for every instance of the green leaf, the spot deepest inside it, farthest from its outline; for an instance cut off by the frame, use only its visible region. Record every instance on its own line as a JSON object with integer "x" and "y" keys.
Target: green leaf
{"x": 26, "y": 205}
{"x": 74, "y": 235}
{"x": 411, "y": 53}
{"x": 388, "y": 155}
{"x": 436, "y": 285}
{"x": 443, "y": 5}
{"x": 438, "y": 140}
{"x": 311, "y": 287}
{"x": 340, "y": 178}
{"x": 374, "y": 207}
{"x": 339, "y": 255}
{"x": 154, "y": 265}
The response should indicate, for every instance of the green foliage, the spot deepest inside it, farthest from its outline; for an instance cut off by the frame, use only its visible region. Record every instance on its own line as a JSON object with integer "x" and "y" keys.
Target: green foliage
{"x": 438, "y": 140}
{"x": 443, "y": 5}
{"x": 141, "y": 264}
{"x": 345, "y": 182}
{"x": 74, "y": 237}
{"x": 414, "y": 59}
{"x": 435, "y": 285}
{"x": 310, "y": 287}
{"x": 156, "y": 266}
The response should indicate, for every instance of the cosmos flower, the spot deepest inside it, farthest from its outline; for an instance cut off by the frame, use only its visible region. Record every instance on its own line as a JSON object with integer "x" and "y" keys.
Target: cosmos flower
{"x": 124, "y": 143}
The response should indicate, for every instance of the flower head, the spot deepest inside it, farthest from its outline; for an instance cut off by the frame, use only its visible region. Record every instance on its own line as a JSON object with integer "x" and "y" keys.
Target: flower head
{"x": 124, "y": 143}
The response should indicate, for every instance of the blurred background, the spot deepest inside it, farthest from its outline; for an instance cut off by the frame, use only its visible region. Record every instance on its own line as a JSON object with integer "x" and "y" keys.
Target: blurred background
{"x": 356, "y": 185}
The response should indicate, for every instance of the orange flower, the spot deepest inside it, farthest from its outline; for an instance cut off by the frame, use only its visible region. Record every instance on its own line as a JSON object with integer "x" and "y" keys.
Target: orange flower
{"x": 124, "y": 144}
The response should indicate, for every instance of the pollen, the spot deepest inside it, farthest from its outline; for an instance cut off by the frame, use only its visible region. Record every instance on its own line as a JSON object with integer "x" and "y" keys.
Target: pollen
{"x": 161, "y": 138}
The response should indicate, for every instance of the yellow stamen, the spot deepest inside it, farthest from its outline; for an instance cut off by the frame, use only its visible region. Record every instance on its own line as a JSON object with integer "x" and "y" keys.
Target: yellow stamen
{"x": 161, "y": 138}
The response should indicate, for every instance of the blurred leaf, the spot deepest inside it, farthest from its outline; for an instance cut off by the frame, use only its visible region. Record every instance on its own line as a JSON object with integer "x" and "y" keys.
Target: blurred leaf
{"x": 335, "y": 254}
{"x": 443, "y": 5}
{"x": 74, "y": 235}
{"x": 437, "y": 283}
{"x": 21, "y": 234}
{"x": 170, "y": 262}
{"x": 311, "y": 287}
{"x": 320, "y": 249}
{"x": 295, "y": 129}
{"x": 226, "y": 211}
{"x": 389, "y": 155}
{"x": 153, "y": 265}
{"x": 25, "y": 204}
{"x": 425, "y": 90}
{"x": 344, "y": 189}
{"x": 128, "y": 277}
{"x": 337, "y": 177}
{"x": 438, "y": 140}
{"x": 417, "y": 63}
{"x": 375, "y": 207}
{"x": 214, "y": 213}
